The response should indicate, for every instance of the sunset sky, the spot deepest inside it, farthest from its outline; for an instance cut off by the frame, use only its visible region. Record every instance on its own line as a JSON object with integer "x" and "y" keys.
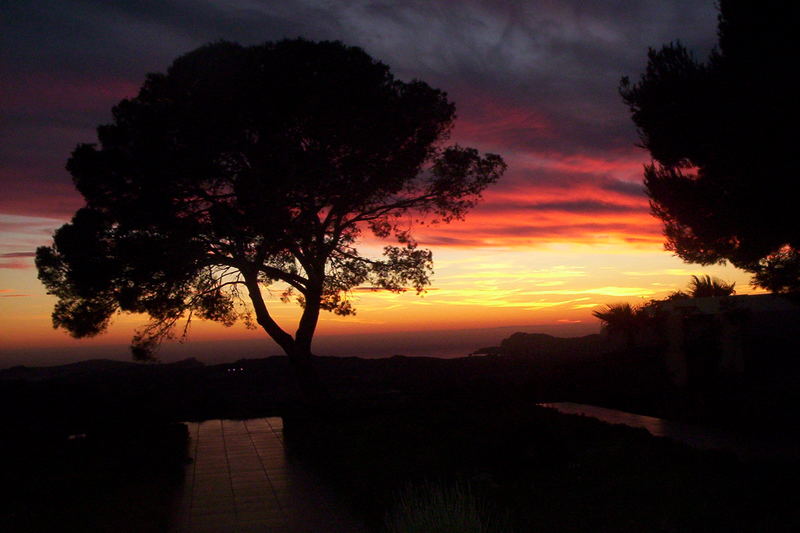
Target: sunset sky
{"x": 566, "y": 230}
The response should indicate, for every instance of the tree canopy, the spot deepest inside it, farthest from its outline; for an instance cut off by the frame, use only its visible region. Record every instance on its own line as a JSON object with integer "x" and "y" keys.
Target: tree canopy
{"x": 247, "y": 168}
{"x": 720, "y": 135}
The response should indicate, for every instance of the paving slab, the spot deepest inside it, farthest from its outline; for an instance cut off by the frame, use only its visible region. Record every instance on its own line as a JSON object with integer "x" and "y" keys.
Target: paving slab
{"x": 240, "y": 480}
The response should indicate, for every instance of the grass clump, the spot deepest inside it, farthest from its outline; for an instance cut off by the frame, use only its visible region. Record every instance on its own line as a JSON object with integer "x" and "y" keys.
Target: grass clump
{"x": 437, "y": 508}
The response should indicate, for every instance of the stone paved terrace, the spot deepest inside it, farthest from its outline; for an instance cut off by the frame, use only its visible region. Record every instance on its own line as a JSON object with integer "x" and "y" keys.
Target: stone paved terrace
{"x": 241, "y": 481}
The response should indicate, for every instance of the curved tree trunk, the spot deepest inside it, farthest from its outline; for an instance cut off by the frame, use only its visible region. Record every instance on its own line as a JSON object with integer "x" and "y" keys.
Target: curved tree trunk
{"x": 315, "y": 394}
{"x": 301, "y": 357}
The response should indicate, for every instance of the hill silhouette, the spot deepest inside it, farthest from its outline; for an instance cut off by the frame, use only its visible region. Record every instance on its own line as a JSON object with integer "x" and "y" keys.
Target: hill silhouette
{"x": 548, "y": 347}
{"x": 88, "y": 368}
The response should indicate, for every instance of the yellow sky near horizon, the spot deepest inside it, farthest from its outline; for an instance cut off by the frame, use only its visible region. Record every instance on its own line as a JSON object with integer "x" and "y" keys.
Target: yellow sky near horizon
{"x": 473, "y": 287}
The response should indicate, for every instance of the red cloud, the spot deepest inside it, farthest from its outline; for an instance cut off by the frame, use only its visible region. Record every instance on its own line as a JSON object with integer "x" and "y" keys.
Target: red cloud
{"x": 42, "y": 92}
{"x": 486, "y": 122}
{"x": 564, "y": 207}
{"x": 15, "y": 255}
{"x": 15, "y": 264}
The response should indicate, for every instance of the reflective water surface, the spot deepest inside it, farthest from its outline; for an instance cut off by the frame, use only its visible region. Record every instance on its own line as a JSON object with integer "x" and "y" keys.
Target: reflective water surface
{"x": 698, "y": 436}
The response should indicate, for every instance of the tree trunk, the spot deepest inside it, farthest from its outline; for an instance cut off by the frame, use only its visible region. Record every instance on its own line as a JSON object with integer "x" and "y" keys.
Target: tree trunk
{"x": 302, "y": 359}
{"x": 308, "y": 321}
{"x": 315, "y": 395}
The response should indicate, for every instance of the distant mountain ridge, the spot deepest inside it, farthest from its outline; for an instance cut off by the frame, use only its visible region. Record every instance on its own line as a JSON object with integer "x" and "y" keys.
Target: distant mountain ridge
{"x": 530, "y": 346}
{"x": 90, "y": 367}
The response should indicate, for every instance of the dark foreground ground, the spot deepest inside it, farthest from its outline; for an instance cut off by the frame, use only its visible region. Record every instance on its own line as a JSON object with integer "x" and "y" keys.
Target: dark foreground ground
{"x": 532, "y": 469}
{"x": 402, "y": 429}
{"x": 117, "y": 478}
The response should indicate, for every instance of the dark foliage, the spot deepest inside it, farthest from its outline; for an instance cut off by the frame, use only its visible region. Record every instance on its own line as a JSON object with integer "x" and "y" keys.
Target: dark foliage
{"x": 549, "y": 472}
{"x": 108, "y": 479}
{"x": 706, "y": 286}
{"x": 623, "y": 320}
{"x": 720, "y": 133}
{"x": 250, "y": 167}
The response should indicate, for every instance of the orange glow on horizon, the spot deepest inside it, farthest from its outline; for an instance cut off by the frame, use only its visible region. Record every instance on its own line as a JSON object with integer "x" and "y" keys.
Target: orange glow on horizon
{"x": 473, "y": 288}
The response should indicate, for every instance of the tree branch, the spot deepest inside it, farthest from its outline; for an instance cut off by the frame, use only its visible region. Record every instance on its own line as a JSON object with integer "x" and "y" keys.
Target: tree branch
{"x": 379, "y": 211}
{"x": 298, "y": 282}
